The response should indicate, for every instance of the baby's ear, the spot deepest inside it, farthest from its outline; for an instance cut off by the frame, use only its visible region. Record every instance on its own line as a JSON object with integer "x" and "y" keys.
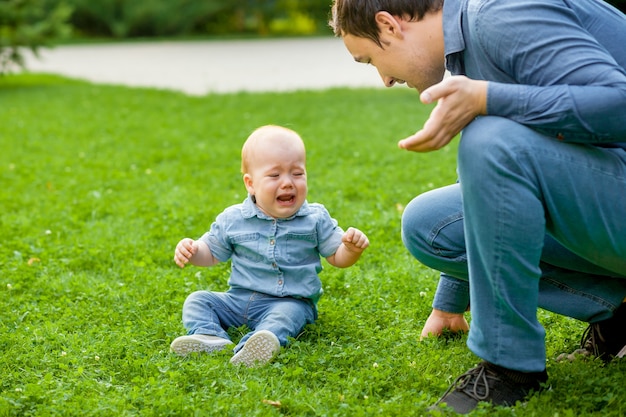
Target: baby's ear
{"x": 247, "y": 181}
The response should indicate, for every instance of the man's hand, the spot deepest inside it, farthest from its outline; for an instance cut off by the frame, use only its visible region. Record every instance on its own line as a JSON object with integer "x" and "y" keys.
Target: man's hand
{"x": 459, "y": 101}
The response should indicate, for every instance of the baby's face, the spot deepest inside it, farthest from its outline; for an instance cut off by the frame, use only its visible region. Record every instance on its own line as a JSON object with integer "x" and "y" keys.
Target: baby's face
{"x": 277, "y": 178}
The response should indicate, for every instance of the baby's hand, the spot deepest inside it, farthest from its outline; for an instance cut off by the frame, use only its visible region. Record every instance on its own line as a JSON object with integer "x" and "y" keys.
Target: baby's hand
{"x": 185, "y": 250}
{"x": 355, "y": 240}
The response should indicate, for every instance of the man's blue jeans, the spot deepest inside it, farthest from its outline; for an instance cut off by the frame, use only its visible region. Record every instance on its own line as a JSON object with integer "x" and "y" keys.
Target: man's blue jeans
{"x": 533, "y": 222}
{"x": 212, "y": 313}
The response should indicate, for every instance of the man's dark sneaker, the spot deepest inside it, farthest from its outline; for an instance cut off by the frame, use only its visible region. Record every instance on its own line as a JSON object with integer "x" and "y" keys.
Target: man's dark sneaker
{"x": 606, "y": 339}
{"x": 490, "y": 383}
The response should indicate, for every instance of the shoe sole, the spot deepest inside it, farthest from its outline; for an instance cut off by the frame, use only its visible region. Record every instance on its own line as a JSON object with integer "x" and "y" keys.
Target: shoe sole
{"x": 621, "y": 353}
{"x": 187, "y": 346}
{"x": 258, "y": 350}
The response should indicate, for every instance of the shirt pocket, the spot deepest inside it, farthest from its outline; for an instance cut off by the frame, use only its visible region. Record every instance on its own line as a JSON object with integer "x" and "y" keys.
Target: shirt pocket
{"x": 248, "y": 246}
{"x": 301, "y": 248}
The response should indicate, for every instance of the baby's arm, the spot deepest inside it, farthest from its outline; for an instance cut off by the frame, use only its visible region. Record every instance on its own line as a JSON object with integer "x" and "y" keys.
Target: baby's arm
{"x": 195, "y": 251}
{"x": 353, "y": 243}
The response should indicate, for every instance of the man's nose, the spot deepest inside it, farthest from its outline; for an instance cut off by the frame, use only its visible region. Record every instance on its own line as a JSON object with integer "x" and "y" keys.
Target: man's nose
{"x": 388, "y": 81}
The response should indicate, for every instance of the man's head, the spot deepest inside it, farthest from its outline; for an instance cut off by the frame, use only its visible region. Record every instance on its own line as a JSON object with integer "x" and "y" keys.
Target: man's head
{"x": 403, "y": 39}
{"x": 273, "y": 163}
{"x": 358, "y": 17}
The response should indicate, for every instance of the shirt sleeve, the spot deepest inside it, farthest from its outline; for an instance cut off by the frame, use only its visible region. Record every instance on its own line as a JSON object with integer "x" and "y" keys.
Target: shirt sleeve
{"x": 217, "y": 239}
{"x": 567, "y": 69}
{"x": 328, "y": 232}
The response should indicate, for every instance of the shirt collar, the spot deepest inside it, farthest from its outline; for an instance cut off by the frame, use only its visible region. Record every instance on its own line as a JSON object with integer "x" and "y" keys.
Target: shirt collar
{"x": 249, "y": 209}
{"x": 453, "y": 28}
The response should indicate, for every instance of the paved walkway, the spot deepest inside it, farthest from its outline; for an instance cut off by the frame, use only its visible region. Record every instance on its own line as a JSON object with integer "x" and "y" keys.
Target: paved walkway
{"x": 201, "y": 67}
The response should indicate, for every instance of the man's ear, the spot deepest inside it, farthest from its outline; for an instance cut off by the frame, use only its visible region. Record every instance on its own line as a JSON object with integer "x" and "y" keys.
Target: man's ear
{"x": 388, "y": 25}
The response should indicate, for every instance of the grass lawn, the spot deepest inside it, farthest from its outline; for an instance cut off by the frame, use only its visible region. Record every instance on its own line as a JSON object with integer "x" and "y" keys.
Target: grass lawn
{"x": 99, "y": 183}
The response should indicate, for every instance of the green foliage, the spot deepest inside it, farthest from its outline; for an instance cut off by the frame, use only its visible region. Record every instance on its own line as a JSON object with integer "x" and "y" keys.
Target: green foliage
{"x": 293, "y": 17}
{"x": 166, "y": 18}
{"x": 126, "y": 18}
{"x": 98, "y": 185}
{"x": 295, "y": 24}
{"x": 29, "y": 24}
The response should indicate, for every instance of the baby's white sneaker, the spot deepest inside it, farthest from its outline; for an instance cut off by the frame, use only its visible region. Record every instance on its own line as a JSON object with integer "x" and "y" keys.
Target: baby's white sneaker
{"x": 184, "y": 345}
{"x": 258, "y": 350}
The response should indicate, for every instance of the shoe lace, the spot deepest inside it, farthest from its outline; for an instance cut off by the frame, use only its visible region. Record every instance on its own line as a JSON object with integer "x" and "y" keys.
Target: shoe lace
{"x": 474, "y": 383}
{"x": 591, "y": 339}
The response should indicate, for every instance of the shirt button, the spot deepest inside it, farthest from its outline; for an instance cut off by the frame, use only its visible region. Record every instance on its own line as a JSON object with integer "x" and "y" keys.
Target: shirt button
{"x": 272, "y": 241}
{"x": 274, "y": 265}
{"x": 280, "y": 282}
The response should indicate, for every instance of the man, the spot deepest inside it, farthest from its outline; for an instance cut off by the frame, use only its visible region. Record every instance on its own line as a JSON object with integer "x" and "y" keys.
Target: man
{"x": 538, "y": 218}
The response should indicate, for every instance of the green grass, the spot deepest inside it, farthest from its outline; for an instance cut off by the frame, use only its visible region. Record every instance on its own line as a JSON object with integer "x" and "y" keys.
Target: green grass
{"x": 99, "y": 183}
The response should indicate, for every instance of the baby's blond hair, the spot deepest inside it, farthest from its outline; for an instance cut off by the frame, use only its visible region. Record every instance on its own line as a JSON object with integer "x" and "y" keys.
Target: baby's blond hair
{"x": 261, "y": 136}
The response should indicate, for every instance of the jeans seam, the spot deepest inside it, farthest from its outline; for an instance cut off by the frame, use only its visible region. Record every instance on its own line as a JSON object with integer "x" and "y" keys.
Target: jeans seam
{"x": 439, "y": 227}
{"x": 571, "y": 290}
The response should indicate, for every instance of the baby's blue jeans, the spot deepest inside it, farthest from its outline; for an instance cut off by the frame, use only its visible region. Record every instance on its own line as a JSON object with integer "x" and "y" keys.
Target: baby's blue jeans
{"x": 212, "y": 313}
{"x": 533, "y": 222}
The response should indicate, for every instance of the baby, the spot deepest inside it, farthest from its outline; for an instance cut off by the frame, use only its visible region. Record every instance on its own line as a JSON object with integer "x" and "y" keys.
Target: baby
{"x": 275, "y": 239}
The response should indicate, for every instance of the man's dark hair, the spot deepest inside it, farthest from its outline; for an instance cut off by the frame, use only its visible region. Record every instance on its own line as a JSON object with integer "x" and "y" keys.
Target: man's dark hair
{"x": 358, "y": 17}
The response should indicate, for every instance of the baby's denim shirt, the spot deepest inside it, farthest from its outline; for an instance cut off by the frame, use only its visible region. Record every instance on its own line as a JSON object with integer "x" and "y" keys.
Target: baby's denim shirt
{"x": 279, "y": 257}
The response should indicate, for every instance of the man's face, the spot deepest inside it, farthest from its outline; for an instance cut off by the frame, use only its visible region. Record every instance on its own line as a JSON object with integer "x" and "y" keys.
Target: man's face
{"x": 412, "y": 51}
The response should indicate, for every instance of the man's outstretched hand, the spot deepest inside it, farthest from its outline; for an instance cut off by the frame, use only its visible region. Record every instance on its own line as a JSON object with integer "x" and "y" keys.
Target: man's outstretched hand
{"x": 459, "y": 100}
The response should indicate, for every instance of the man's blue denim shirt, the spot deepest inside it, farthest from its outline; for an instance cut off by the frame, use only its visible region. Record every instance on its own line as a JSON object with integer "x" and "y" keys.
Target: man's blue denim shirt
{"x": 279, "y": 257}
{"x": 557, "y": 66}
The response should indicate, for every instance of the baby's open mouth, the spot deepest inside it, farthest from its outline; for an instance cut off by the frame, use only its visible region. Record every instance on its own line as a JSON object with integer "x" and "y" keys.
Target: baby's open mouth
{"x": 286, "y": 198}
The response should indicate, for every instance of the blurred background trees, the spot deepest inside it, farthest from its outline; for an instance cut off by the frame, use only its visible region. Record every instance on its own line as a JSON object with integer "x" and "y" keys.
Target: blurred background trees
{"x": 150, "y": 18}
{"x": 30, "y": 24}
{"x": 40, "y": 23}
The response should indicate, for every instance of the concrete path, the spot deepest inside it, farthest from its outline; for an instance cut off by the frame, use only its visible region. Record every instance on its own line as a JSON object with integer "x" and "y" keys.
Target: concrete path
{"x": 201, "y": 67}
